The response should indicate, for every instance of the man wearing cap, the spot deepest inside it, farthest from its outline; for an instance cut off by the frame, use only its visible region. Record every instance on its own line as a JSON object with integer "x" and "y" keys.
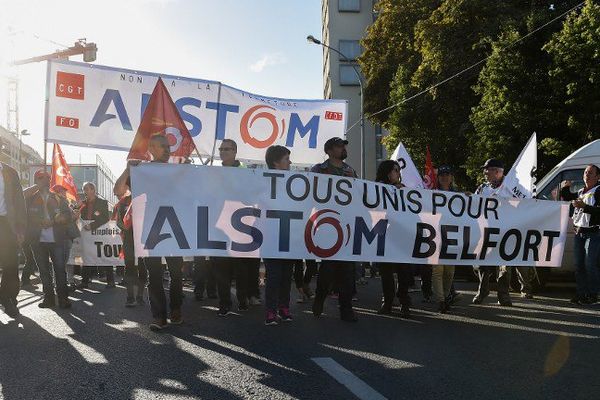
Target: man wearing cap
{"x": 340, "y": 273}
{"x": 49, "y": 216}
{"x": 493, "y": 170}
{"x": 13, "y": 222}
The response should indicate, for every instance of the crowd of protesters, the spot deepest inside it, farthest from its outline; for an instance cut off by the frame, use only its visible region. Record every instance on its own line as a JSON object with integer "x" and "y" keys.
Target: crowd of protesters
{"x": 39, "y": 222}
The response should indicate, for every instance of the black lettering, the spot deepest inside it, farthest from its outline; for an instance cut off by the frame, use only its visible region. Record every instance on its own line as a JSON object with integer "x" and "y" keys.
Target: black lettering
{"x": 550, "y": 235}
{"x": 202, "y": 240}
{"x": 98, "y": 249}
{"x": 462, "y": 205}
{"x": 361, "y": 229}
{"x": 491, "y": 205}
{"x": 487, "y": 242}
{"x": 389, "y": 196}
{"x": 437, "y": 200}
{"x": 446, "y": 242}
{"x": 464, "y": 254}
{"x": 340, "y": 190}
{"x": 518, "y": 239}
{"x": 288, "y": 187}
{"x": 240, "y": 226}
{"x": 366, "y": 195}
{"x": 284, "y": 225}
{"x": 532, "y": 245}
{"x": 421, "y": 239}
{"x": 316, "y": 180}
{"x": 478, "y": 201}
{"x": 414, "y": 198}
{"x": 108, "y": 250}
{"x": 165, "y": 214}
{"x": 273, "y": 176}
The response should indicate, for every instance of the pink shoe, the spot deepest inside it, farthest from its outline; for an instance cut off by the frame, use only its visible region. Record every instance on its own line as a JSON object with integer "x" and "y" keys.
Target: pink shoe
{"x": 271, "y": 318}
{"x": 284, "y": 314}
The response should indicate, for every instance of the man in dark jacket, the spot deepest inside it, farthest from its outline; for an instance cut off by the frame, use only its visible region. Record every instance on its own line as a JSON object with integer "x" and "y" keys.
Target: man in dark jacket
{"x": 332, "y": 272}
{"x": 94, "y": 212}
{"x": 13, "y": 223}
{"x": 48, "y": 219}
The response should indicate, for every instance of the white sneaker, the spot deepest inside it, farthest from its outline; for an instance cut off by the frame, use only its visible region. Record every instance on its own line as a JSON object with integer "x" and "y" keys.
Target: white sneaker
{"x": 254, "y": 301}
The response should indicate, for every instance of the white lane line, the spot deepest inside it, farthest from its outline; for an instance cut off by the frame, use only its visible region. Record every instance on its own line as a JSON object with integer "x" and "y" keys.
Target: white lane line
{"x": 359, "y": 388}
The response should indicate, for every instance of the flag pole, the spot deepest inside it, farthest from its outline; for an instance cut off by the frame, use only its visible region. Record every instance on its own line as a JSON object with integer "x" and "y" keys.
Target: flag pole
{"x": 212, "y": 154}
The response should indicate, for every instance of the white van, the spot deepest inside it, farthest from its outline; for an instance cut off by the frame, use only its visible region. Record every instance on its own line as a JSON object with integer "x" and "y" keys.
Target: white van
{"x": 571, "y": 169}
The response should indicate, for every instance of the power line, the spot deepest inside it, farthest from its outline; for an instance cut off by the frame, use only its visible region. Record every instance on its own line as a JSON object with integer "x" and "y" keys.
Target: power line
{"x": 422, "y": 92}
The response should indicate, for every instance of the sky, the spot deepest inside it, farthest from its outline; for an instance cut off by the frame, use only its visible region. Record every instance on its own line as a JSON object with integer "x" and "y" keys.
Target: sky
{"x": 256, "y": 45}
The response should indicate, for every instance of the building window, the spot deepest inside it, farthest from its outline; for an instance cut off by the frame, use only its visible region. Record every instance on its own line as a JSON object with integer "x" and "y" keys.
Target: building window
{"x": 348, "y": 76}
{"x": 349, "y": 5}
{"x": 350, "y": 49}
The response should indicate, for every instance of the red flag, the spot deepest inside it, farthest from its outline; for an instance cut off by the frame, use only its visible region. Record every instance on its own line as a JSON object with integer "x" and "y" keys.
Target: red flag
{"x": 430, "y": 178}
{"x": 61, "y": 174}
{"x": 162, "y": 118}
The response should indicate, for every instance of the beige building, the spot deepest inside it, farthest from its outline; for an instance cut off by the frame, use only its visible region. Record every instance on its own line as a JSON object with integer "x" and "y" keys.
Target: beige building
{"x": 344, "y": 23}
{"x": 10, "y": 146}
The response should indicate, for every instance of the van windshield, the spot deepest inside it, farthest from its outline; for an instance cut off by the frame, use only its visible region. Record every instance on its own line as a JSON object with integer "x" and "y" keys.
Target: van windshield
{"x": 550, "y": 191}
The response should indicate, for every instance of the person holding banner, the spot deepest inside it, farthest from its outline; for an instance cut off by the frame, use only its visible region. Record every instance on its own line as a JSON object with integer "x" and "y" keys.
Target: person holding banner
{"x": 278, "y": 271}
{"x": 340, "y": 273}
{"x": 586, "y": 219}
{"x": 159, "y": 149}
{"x": 389, "y": 174}
{"x": 94, "y": 211}
{"x": 227, "y": 268}
{"x": 442, "y": 275}
{"x": 72, "y": 234}
{"x": 48, "y": 219}
{"x": 13, "y": 223}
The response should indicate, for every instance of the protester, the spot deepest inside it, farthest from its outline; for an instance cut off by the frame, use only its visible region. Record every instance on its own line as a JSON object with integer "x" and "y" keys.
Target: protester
{"x": 159, "y": 148}
{"x": 494, "y": 173}
{"x": 586, "y": 219}
{"x": 389, "y": 174}
{"x": 13, "y": 223}
{"x": 135, "y": 274}
{"x": 335, "y": 272}
{"x": 94, "y": 212}
{"x": 72, "y": 234}
{"x": 278, "y": 271}
{"x": 48, "y": 218}
{"x": 442, "y": 275}
{"x": 229, "y": 268}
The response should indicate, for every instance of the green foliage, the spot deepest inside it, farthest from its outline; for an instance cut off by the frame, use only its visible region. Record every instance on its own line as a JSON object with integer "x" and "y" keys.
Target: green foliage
{"x": 543, "y": 80}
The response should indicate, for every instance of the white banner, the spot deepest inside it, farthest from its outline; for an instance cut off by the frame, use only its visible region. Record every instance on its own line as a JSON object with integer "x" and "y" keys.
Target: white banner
{"x": 98, "y": 247}
{"x": 520, "y": 182}
{"x": 410, "y": 175}
{"x": 216, "y": 211}
{"x": 101, "y": 107}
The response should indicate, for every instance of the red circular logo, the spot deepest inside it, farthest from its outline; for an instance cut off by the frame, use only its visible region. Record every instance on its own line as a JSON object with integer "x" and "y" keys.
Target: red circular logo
{"x": 311, "y": 228}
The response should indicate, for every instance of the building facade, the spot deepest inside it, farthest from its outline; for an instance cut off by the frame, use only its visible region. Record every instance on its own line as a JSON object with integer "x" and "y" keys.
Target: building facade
{"x": 17, "y": 154}
{"x": 344, "y": 23}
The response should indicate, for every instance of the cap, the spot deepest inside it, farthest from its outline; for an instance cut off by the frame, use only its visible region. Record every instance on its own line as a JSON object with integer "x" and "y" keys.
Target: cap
{"x": 493, "y": 163}
{"x": 41, "y": 173}
{"x": 444, "y": 169}
{"x": 332, "y": 142}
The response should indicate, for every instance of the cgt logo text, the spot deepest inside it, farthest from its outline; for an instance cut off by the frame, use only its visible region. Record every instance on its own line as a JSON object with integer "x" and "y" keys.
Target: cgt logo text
{"x": 259, "y": 137}
{"x": 166, "y": 215}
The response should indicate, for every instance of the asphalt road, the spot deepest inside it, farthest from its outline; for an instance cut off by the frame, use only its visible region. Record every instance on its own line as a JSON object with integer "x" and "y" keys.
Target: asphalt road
{"x": 538, "y": 349}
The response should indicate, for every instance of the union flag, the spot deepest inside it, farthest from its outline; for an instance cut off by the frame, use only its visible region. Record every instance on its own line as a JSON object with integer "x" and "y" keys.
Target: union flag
{"x": 61, "y": 174}
{"x": 162, "y": 118}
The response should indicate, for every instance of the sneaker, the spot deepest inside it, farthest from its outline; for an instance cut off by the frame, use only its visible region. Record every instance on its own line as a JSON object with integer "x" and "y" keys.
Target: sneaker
{"x": 65, "y": 303}
{"x": 176, "y": 318}
{"x": 10, "y": 308}
{"x": 158, "y": 324}
{"x": 130, "y": 302}
{"x": 271, "y": 318}
{"x": 284, "y": 314}
{"x": 47, "y": 303}
{"x": 505, "y": 302}
{"x": 243, "y": 306}
{"x": 386, "y": 309}
{"x": 255, "y": 301}
{"x": 223, "y": 312}
{"x": 528, "y": 296}
{"x": 477, "y": 300}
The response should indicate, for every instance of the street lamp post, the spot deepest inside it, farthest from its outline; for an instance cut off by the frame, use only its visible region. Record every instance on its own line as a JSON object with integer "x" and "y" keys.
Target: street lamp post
{"x": 21, "y": 134}
{"x": 312, "y": 39}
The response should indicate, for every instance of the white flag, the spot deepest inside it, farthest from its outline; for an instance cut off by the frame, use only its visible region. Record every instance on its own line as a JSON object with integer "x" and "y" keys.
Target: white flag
{"x": 520, "y": 180}
{"x": 410, "y": 175}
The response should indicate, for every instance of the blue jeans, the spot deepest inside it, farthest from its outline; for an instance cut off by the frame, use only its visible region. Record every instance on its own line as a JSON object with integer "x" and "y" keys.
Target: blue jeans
{"x": 56, "y": 252}
{"x": 587, "y": 255}
{"x": 279, "y": 283}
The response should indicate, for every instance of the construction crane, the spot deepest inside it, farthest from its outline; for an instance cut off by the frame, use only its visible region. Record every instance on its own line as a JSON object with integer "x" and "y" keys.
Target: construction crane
{"x": 80, "y": 47}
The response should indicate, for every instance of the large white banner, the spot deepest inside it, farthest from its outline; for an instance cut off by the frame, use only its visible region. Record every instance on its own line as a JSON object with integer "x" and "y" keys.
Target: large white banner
{"x": 98, "y": 247}
{"x": 410, "y": 174}
{"x": 188, "y": 210}
{"x": 101, "y": 107}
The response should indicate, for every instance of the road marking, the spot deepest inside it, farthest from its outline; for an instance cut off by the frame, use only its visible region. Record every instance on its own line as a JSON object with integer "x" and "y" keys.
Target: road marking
{"x": 384, "y": 361}
{"x": 359, "y": 388}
